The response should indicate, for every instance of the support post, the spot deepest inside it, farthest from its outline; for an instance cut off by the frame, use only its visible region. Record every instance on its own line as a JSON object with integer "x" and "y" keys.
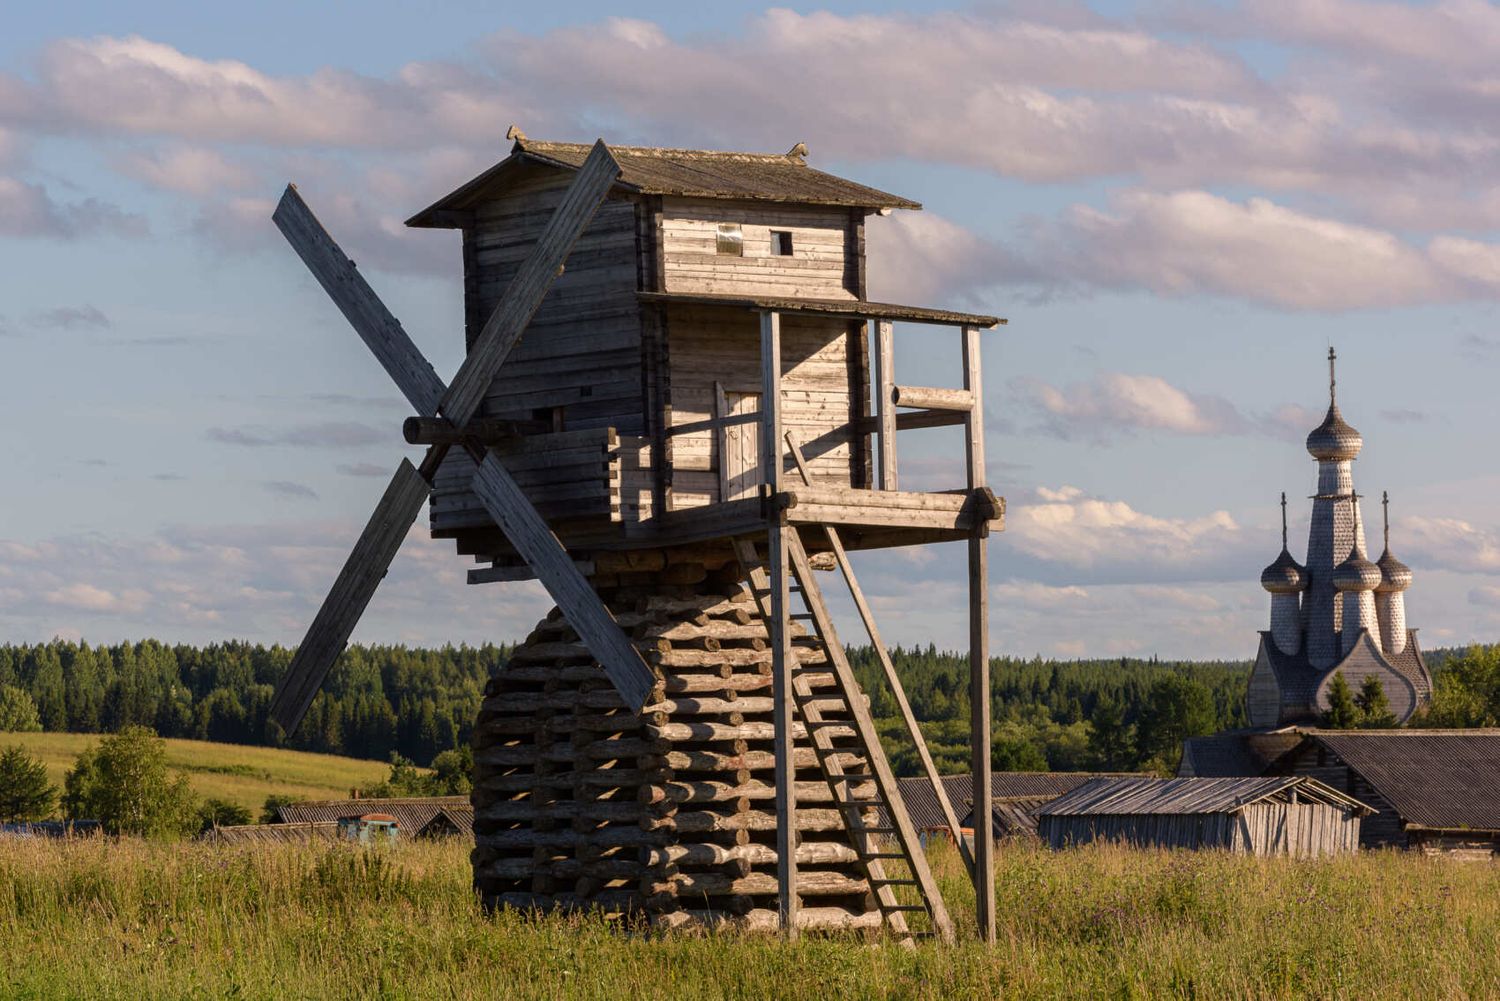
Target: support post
{"x": 885, "y": 385}
{"x": 979, "y": 653}
{"x": 782, "y": 660}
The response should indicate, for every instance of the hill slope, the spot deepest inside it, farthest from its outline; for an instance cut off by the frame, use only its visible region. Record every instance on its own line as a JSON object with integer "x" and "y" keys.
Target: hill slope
{"x": 233, "y": 772}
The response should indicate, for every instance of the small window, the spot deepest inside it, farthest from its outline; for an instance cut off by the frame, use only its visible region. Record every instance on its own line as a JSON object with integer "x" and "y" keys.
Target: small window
{"x": 781, "y": 242}
{"x": 731, "y": 240}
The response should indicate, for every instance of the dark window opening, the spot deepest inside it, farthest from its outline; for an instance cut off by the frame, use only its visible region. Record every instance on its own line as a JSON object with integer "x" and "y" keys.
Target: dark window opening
{"x": 731, "y": 240}
{"x": 781, "y": 243}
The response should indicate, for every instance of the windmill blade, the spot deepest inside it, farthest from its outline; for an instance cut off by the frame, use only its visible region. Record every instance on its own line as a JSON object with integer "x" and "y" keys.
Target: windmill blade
{"x": 381, "y": 331}
{"x": 529, "y": 287}
{"x": 351, "y": 592}
{"x": 544, "y": 553}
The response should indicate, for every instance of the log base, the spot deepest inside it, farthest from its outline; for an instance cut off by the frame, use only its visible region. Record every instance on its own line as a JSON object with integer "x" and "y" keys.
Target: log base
{"x": 666, "y": 814}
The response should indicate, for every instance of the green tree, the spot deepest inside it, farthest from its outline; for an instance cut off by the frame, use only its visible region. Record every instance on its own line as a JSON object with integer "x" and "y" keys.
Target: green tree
{"x": 1374, "y": 708}
{"x": 453, "y": 771}
{"x": 270, "y": 813}
{"x": 1111, "y": 742}
{"x": 17, "y": 711}
{"x": 213, "y": 813}
{"x": 25, "y": 793}
{"x": 124, "y": 783}
{"x": 1176, "y": 708}
{"x": 1467, "y": 690}
{"x": 1342, "y": 713}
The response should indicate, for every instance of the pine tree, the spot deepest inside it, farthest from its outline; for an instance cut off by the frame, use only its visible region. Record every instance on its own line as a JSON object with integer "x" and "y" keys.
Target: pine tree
{"x": 1342, "y": 713}
{"x": 1374, "y": 708}
{"x": 25, "y": 793}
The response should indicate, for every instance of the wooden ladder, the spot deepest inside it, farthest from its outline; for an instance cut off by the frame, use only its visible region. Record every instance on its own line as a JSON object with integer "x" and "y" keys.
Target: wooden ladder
{"x": 837, "y": 739}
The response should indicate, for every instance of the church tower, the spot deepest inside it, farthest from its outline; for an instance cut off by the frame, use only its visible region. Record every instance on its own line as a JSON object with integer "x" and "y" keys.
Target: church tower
{"x": 1340, "y": 613}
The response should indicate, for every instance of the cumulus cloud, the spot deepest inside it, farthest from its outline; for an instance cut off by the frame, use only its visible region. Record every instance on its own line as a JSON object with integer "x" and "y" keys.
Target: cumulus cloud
{"x": 193, "y": 170}
{"x": 329, "y": 434}
{"x": 1448, "y": 544}
{"x": 1064, "y": 536}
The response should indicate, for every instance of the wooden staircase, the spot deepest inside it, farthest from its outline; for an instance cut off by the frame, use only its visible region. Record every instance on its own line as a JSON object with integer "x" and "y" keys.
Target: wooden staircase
{"x": 837, "y": 719}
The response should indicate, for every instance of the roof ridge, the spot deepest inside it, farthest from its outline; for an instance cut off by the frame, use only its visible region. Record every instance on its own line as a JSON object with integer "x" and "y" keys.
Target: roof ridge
{"x": 673, "y": 152}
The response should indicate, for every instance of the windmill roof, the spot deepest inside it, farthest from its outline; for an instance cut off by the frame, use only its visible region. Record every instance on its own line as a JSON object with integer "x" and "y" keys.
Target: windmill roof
{"x": 687, "y": 173}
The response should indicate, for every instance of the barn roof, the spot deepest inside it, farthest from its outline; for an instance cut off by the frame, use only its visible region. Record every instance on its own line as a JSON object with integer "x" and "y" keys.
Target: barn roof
{"x": 263, "y": 834}
{"x": 411, "y": 813}
{"x": 687, "y": 173}
{"x": 1235, "y": 753}
{"x": 1011, "y": 787}
{"x": 1139, "y": 795}
{"x": 1437, "y": 779}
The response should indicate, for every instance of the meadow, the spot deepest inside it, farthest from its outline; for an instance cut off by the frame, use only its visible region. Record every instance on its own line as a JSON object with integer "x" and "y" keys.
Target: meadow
{"x": 235, "y": 773}
{"x": 98, "y": 918}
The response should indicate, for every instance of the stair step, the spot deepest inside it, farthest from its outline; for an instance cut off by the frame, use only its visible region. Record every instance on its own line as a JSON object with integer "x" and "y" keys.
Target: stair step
{"x": 893, "y": 882}
{"x": 872, "y": 856}
{"x": 904, "y": 907}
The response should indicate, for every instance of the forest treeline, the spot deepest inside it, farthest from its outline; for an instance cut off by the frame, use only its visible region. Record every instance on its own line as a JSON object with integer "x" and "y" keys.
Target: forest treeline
{"x": 1114, "y": 714}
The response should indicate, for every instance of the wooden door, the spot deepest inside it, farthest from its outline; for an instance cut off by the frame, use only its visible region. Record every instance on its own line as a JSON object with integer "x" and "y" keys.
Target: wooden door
{"x": 739, "y": 445}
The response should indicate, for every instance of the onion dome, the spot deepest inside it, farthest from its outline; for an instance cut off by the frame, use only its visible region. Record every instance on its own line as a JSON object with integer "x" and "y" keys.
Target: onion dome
{"x": 1394, "y": 575}
{"x": 1356, "y": 573}
{"x": 1334, "y": 440}
{"x": 1285, "y": 576}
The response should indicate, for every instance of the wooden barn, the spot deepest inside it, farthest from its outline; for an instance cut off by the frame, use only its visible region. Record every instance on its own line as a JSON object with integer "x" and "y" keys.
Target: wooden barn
{"x": 1435, "y": 791}
{"x": 1015, "y": 798}
{"x": 678, "y": 400}
{"x": 1294, "y": 816}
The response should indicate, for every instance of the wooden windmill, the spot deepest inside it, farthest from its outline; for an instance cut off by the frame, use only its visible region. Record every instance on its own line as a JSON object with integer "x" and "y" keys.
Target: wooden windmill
{"x": 665, "y": 416}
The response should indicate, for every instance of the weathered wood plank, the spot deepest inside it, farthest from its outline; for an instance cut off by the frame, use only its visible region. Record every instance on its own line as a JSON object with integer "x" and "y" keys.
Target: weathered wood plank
{"x": 380, "y": 331}
{"x": 933, "y": 398}
{"x": 536, "y": 543}
{"x": 885, "y": 374}
{"x": 590, "y": 186}
{"x": 350, "y": 594}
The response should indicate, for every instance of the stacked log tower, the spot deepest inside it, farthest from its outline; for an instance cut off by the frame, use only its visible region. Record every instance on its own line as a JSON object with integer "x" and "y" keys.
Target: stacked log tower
{"x": 668, "y": 813}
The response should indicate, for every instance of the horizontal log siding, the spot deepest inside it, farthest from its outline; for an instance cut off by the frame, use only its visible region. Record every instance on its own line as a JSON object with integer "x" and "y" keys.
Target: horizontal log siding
{"x": 583, "y": 348}
{"x": 707, "y": 345}
{"x": 818, "y": 267}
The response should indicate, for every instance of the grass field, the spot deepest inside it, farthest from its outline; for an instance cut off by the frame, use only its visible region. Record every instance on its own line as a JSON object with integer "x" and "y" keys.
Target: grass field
{"x": 233, "y": 772}
{"x": 101, "y": 919}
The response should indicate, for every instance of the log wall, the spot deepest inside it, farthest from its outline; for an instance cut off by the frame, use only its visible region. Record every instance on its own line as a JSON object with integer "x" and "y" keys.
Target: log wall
{"x": 824, "y": 243}
{"x": 823, "y": 361}
{"x": 667, "y": 814}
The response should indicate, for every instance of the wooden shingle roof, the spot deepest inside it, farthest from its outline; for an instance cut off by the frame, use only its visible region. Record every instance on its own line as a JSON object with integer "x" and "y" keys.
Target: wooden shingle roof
{"x": 686, "y": 173}
{"x": 1435, "y": 779}
{"x": 1139, "y": 795}
{"x": 273, "y": 834}
{"x": 922, "y": 804}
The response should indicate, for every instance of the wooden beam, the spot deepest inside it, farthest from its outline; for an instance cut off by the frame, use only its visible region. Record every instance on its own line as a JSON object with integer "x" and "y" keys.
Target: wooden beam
{"x": 480, "y": 430}
{"x": 585, "y": 612}
{"x": 380, "y": 331}
{"x": 893, "y": 680}
{"x": 506, "y": 575}
{"x": 350, "y": 594}
{"x": 979, "y": 655}
{"x": 782, "y": 659}
{"x": 529, "y": 287}
{"x": 885, "y": 378}
{"x": 933, "y": 398}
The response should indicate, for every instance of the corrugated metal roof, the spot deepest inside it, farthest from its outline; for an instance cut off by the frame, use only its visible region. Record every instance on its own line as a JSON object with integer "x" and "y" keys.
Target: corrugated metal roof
{"x": 411, "y": 813}
{"x": 1444, "y": 779}
{"x": 687, "y": 173}
{"x": 853, "y": 308}
{"x": 1137, "y": 796}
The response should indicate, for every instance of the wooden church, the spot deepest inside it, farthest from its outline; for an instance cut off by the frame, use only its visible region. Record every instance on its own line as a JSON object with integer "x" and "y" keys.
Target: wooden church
{"x": 678, "y": 405}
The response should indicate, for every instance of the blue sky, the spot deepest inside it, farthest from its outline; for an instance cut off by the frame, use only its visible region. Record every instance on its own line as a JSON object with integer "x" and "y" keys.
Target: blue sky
{"x": 1178, "y": 207}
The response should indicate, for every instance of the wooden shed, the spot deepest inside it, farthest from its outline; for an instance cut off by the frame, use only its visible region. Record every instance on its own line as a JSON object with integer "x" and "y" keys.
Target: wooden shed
{"x": 1295, "y": 816}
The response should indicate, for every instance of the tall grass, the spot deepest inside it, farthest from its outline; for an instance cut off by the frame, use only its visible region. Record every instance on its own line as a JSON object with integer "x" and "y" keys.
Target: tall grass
{"x": 100, "y": 918}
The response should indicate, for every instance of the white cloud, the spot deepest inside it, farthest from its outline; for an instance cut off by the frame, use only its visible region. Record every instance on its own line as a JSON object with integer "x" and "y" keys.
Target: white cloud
{"x": 1448, "y": 544}
{"x": 28, "y": 210}
{"x": 1119, "y": 401}
{"x": 193, "y": 170}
